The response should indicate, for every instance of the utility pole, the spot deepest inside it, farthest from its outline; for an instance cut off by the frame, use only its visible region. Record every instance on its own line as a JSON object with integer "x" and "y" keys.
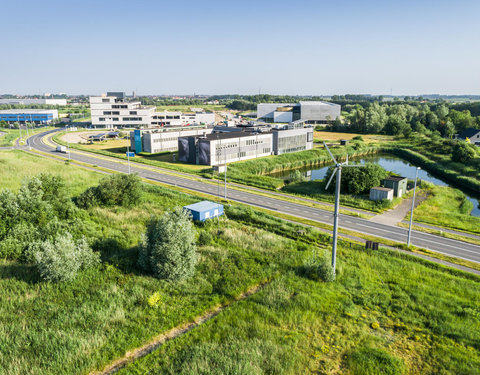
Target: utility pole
{"x": 413, "y": 206}
{"x": 225, "y": 173}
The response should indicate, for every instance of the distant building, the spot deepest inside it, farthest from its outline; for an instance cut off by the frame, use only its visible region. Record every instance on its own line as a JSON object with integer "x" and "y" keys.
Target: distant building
{"x": 473, "y": 136}
{"x": 38, "y": 116}
{"x": 379, "y": 193}
{"x": 397, "y": 183}
{"x": 112, "y": 111}
{"x": 34, "y": 101}
{"x": 310, "y": 112}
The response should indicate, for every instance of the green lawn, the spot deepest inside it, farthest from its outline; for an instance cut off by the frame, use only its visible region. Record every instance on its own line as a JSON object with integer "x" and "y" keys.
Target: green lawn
{"x": 428, "y": 317}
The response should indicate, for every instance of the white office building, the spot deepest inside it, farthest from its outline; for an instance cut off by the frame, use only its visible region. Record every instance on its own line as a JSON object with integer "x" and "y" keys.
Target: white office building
{"x": 112, "y": 111}
{"x": 167, "y": 118}
{"x": 34, "y": 101}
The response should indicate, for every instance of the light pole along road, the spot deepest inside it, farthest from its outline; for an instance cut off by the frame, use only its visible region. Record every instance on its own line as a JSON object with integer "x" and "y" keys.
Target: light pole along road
{"x": 439, "y": 244}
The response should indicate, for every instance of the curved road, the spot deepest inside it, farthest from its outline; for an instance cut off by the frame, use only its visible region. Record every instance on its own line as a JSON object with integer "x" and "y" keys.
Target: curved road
{"x": 439, "y": 244}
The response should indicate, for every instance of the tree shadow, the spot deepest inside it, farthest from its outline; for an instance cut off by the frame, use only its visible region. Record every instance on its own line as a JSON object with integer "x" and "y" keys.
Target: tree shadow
{"x": 122, "y": 257}
{"x": 22, "y": 272}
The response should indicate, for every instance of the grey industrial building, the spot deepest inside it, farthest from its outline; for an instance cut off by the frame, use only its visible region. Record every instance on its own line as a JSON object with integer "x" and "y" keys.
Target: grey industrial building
{"x": 310, "y": 112}
{"x": 223, "y": 148}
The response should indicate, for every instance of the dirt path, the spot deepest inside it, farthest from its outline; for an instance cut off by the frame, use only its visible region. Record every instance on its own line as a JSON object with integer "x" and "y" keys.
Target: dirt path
{"x": 397, "y": 214}
{"x": 173, "y": 333}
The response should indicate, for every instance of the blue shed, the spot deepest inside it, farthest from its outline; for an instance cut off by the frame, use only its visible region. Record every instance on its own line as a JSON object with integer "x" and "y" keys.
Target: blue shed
{"x": 204, "y": 210}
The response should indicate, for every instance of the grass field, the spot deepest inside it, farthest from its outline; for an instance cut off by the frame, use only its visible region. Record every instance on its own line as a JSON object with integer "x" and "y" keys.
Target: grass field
{"x": 11, "y": 135}
{"x": 383, "y": 315}
{"x": 427, "y": 316}
{"x": 368, "y": 138}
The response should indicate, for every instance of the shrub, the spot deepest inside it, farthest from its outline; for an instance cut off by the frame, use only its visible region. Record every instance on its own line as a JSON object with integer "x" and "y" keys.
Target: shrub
{"x": 116, "y": 190}
{"x": 61, "y": 259}
{"x": 168, "y": 246}
{"x": 318, "y": 268}
{"x": 463, "y": 152}
{"x": 372, "y": 361}
{"x": 358, "y": 138}
{"x": 205, "y": 238}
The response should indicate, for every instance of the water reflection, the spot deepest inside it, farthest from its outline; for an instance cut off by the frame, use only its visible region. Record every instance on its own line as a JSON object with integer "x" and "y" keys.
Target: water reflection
{"x": 390, "y": 163}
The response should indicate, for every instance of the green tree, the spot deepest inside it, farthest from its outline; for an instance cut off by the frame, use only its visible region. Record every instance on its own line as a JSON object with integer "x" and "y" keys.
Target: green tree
{"x": 463, "y": 152}
{"x": 359, "y": 180}
{"x": 168, "y": 246}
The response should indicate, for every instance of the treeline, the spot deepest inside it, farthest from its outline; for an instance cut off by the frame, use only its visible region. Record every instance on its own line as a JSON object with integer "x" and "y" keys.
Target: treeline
{"x": 405, "y": 118}
{"x": 167, "y": 101}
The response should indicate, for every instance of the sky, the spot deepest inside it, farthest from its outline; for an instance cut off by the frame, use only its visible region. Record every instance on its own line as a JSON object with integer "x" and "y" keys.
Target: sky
{"x": 302, "y": 47}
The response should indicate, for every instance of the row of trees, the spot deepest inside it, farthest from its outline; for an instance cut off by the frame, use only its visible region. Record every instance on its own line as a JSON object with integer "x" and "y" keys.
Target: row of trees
{"x": 403, "y": 119}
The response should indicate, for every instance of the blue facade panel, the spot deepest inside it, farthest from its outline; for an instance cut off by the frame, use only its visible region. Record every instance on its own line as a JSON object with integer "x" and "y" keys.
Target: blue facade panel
{"x": 202, "y": 211}
{"x": 137, "y": 134}
{"x": 22, "y": 117}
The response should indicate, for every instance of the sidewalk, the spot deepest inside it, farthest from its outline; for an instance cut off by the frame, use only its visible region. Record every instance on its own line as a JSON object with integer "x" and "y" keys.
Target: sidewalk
{"x": 397, "y": 214}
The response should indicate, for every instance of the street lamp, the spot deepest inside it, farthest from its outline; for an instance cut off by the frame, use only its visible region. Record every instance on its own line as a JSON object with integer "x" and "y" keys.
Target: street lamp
{"x": 413, "y": 206}
{"x": 128, "y": 150}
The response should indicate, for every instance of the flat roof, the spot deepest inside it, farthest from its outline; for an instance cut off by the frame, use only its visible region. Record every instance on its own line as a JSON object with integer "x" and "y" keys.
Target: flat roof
{"x": 234, "y": 134}
{"x": 395, "y": 178}
{"x": 381, "y": 188}
{"x": 203, "y": 206}
{"x": 28, "y": 111}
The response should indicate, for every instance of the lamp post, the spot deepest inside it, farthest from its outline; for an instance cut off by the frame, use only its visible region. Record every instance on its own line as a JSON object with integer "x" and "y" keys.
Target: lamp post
{"x": 413, "y": 206}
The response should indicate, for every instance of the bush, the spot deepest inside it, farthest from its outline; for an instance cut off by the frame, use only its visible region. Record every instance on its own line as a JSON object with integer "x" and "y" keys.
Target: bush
{"x": 168, "y": 246}
{"x": 205, "y": 238}
{"x": 372, "y": 361}
{"x": 358, "y": 138}
{"x": 61, "y": 259}
{"x": 463, "y": 152}
{"x": 318, "y": 268}
{"x": 116, "y": 190}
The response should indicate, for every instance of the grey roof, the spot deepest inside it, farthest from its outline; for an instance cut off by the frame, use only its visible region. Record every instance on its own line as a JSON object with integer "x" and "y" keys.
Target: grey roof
{"x": 395, "y": 178}
{"x": 468, "y": 133}
{"x": 381, "y": 188}
{"x": 203, "y": 206}
{"x": 318, "y": 103}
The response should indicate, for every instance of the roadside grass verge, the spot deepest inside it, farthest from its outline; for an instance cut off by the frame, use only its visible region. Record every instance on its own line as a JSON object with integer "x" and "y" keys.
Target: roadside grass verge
{"x": 447, "y": 207}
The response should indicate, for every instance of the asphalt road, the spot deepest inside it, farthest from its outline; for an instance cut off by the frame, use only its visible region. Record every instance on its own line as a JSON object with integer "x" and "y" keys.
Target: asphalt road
{"x": 439, "y": 244}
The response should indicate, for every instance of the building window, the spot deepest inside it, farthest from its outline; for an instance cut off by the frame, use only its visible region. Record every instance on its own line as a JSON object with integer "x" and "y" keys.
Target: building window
{"x": 133, "y": 112}
{"x": 107, "y": 112}
{"x": 105, "y": 100}
{"x": 101, "y": 119}
{"x": 115, "y": 119}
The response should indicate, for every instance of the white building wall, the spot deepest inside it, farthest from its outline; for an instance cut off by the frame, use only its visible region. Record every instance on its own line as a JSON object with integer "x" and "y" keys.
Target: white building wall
{"x": 161, "y": 141}
{"x": 240, "y": 148}
{"x": 109, "y": 112}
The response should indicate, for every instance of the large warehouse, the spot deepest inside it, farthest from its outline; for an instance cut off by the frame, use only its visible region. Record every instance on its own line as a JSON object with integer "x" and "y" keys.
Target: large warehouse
{"x": 221, "y": 148}
{"x": 38, "y": 116}
{"x": 34, "y": 101}
{"x": 164, "y": 139}
{"x": 310, "y": 112}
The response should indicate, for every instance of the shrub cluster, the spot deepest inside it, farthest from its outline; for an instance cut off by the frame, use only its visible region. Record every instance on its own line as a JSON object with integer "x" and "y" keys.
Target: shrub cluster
{"x": 168, "y": 246}
{"x": 318, "y": 268}
{"x": 62, "y": 258}
{"x": 115, "y": 190}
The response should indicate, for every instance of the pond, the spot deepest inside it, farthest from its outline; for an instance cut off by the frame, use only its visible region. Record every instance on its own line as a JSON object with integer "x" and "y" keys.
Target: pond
{"x": 392, "y": 164}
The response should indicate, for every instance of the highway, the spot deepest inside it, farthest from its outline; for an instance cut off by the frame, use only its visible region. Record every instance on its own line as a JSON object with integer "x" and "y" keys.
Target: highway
{"x": 432, "y": 242}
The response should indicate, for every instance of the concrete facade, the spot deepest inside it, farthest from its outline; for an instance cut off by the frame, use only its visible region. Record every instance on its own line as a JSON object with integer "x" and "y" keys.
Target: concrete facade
{"x": 167, "y": 118}
{"x": 397, "y": 183}
{"x": 380, "y": 193}
{"x": 311, "y": 112}
{"x": 165, "y": 139}
{"x": 292, "y": 140}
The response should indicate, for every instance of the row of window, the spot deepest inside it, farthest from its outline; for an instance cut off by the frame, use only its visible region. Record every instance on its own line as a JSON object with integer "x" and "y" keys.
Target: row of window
{"x": 122, "y": 106}
{"x": 105, "y": 113}
{"x": 157, "y": 140}
{"x": 166, "y": 117}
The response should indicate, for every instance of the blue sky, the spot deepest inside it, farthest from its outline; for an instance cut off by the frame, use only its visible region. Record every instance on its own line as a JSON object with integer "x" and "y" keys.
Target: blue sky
{"x": 206, "y": 47}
